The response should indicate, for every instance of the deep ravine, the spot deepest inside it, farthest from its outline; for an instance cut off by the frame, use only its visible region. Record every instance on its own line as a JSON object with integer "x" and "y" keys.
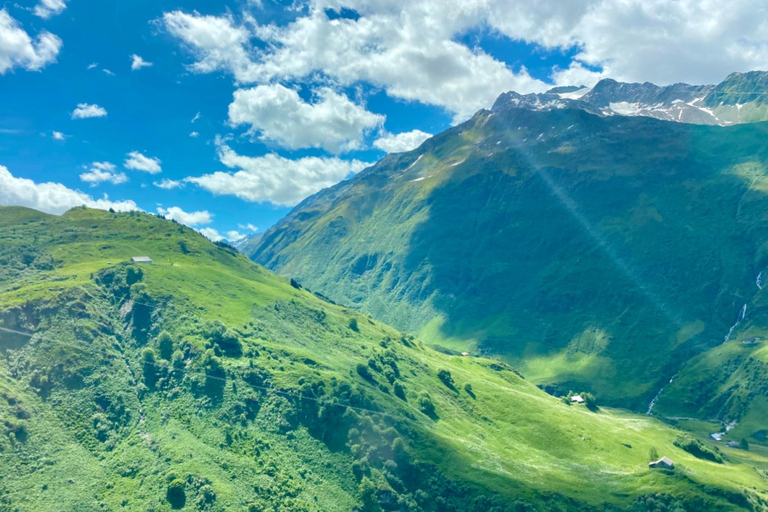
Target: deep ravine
{"x": 739, "y": 318}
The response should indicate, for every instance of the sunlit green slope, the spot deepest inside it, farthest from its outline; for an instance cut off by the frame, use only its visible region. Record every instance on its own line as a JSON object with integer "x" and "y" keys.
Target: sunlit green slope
{"x": 590, "y": 252}
{"x": 204, "y": 382}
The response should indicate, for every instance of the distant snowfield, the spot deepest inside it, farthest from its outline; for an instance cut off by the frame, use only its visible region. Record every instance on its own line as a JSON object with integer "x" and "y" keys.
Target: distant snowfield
{"x": 575, "y": 95}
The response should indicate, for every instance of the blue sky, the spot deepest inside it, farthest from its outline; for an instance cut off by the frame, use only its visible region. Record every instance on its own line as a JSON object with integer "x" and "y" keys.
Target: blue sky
{"x": 323, "y": 95}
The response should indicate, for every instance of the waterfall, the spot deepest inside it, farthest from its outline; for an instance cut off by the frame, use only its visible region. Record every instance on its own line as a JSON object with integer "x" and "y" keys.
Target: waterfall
{"x": 656, "y": 398}
{"x": 759, "y": 280}
{"x": 739, "y": 318}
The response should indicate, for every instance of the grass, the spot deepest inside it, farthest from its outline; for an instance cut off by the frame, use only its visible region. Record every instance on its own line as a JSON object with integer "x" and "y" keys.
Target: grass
{"x": 288, "y": 424}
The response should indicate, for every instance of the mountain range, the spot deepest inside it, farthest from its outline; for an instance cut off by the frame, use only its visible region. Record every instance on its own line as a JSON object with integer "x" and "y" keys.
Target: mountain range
{"x": 589, "y": 244}
{"x": 740, "y": 98}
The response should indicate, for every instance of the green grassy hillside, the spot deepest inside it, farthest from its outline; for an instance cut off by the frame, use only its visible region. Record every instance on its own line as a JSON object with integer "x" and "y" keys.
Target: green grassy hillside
{"x": 205, "y": 382}
{"x": 590, "y": 252}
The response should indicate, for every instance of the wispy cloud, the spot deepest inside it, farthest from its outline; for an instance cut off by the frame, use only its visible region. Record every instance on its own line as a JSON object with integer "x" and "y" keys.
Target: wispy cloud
{"x": 249, "y": 227}
{"x": 168, "y": 184}
{"x": 48, "y": 8}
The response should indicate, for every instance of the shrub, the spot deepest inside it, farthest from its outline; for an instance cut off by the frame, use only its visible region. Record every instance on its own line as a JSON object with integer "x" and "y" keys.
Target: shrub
{"x": 175, "y": 493}
{"x": 206, "y": 496}
{"x": 226, "y": 339}
{"x": 353, "y": 324}
{"x": 148, "y": 356}
{"x": 373, "y": 365}
{"x": 368, "y": 495}
{"x": 149, "y": 361}
{"x": 364, "y": 372}
{"x": 230, "y": 343}
{"x": 590, "y": 401}
{"x": 212, "y": 364}
{"x": 426, "y": 405}
{"x": 446, "y": 378}
{"x": 177, "y": 360}
{"x": 469, "y": 390}
{"x": 133, "y": 275}
{"x": 697, "y": 448}
{"x": 140, "y": 295}
{"x": 165, "y": 345}
{"x": 744, "y": 445}
{"x": 399, "y": 390}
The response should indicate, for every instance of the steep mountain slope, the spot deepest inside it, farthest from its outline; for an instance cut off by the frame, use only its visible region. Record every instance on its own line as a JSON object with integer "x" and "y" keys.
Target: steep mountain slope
{"x": 591, "y": 251}
{"x": 204, "y": 382}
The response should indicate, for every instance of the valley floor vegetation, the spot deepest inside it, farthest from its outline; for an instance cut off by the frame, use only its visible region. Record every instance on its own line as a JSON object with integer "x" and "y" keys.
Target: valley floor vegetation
{"x": 205, "y": 382}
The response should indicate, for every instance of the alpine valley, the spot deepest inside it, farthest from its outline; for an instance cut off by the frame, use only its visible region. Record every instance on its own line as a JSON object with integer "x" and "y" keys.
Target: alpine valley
{"x": 436, "y": 317}
{"x": 610, "y": 239}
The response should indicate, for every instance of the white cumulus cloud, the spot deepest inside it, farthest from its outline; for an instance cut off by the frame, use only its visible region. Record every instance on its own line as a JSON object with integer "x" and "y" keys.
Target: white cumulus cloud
{"x": 217, "y": 41}
{"x": 190, "y": 219}
{"x": 18, "y": 49}
{"x": 138, "y": 162}
{"x": 50, "y": 197}
{"x": 414, "y": 50}
{"x": 100, "y": 172}
{"x": 272, "y": 178}
{"x": 407, "y": 55}
{"x": 332, "y": 122}
{"x": 398, "y": 143}
{"x": 58, "y": 135}
{"x": 137, "y": 62}
{"x": 85, "y": 111}
{"x": 662, "y": 41}
{"x": 47, "y": 8}
{"x": 167, "y": 184}
{"x": 194, "y": 134}
{"x": 211, "y": 234}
